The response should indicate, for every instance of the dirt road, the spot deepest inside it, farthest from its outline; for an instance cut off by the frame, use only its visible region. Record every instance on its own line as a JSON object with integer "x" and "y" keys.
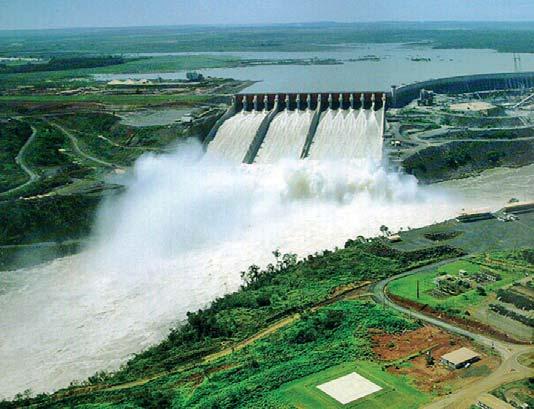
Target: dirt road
{"x": 510, "y": 369}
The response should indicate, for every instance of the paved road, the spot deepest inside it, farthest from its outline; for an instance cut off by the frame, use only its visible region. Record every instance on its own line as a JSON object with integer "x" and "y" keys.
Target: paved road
{"x": 21, "y": 161}
{"x": 510, "y": 369}
{"x": 77, "y": 149}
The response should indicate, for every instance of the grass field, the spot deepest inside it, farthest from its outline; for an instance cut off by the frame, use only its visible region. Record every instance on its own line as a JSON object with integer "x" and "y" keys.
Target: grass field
{"x": 516, "y": 37}
{"x": 406, "y": 287}
{"x": 83, "y": 76}
{"x": 396, "y": 391}
{"x": 142, "y": 100}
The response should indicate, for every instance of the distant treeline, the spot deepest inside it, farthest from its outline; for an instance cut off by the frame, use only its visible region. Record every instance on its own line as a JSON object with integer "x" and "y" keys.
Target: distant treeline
{"x": 62, "y": 63}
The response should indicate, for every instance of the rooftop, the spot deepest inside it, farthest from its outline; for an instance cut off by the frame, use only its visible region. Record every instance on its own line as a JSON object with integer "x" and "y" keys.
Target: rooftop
{"x": 494, "y": 402}
{"x": 460, "y": 355}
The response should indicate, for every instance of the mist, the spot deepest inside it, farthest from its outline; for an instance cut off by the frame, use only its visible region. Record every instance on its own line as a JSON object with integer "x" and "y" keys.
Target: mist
{"x": 176, "y": 239}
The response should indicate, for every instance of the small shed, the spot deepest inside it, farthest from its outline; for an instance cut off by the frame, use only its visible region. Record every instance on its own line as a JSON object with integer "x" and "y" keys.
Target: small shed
{"x": 459, "y": 358}
{"x": 488, "y": 401}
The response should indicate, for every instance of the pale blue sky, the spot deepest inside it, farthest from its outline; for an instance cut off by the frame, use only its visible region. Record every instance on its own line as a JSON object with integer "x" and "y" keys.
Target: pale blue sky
{"x": 113, "y": 13}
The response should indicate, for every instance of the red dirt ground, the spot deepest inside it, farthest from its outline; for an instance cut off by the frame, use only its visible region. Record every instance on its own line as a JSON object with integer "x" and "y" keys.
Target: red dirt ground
{"x": 436, "y": 377}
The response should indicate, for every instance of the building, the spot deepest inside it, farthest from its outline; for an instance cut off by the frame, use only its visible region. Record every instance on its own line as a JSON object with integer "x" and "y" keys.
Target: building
{"x": 519, "y": 207}
{"x": 459, "y": 358}
{"x": 478, "y": 107}
{"x": 488, "y": 401}
{"x": 426, "y": 98}
{"x": 194, "y": 76}
{"x": 474, "y": 215}
{"x": 395, "y": 238}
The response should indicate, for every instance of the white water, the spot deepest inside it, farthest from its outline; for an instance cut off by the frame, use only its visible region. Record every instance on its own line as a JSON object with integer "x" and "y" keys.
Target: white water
{"x": 286, "y": 136}
{"x": 348, "y": 134}
{"x": 235, "y": 135}
{"x": 177, "y": 239}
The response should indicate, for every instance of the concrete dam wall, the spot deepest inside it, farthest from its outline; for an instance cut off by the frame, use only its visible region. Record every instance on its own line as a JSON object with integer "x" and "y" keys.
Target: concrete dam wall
{"x": 403, "y": 95}
{"x": 266, "y": 128}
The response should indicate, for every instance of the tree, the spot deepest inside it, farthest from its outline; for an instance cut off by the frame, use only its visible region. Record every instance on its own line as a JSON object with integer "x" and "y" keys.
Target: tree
{"x": 429, "y": 359}
{"x": 385, "y": 230}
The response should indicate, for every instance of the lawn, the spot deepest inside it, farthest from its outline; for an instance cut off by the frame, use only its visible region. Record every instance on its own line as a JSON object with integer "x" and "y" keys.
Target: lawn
{"x": 396, "y": 391}
{"x": 406, "y": 287}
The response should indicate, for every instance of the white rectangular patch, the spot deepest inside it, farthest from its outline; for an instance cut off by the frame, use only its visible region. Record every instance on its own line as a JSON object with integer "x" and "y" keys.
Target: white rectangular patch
{"x": 349, "y": 388}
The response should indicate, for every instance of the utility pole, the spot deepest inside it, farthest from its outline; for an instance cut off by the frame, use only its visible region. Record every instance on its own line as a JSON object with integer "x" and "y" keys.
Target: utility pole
{"x": 517, "y": 62}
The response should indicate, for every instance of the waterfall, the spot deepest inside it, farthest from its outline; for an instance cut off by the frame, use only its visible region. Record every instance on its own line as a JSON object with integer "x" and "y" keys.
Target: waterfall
{"x": 286, "y": 136}
{"x": 373, "y": 140}
{"x": 235, "y": 136}
{"x": 348, "y": 134}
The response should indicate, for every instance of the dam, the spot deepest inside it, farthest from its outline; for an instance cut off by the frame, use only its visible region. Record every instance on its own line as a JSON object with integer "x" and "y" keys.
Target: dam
{"x": 266, "y": 128}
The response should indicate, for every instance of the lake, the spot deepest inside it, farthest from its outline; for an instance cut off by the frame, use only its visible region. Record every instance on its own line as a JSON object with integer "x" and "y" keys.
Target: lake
{"x": 397, "y": 65}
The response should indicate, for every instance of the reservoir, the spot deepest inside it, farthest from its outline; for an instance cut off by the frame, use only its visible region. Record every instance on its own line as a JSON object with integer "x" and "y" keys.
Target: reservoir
{"x": 367, "y": 67}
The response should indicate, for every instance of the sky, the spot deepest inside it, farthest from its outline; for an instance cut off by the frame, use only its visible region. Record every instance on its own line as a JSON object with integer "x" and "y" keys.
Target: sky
{"x": 38, "y": 14}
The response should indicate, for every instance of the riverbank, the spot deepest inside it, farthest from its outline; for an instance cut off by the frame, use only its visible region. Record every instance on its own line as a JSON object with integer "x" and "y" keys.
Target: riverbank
{"x": 317, "y": 324}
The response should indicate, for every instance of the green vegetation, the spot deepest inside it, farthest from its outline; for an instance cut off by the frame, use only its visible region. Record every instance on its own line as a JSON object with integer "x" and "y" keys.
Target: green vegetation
{"x": 321, "y": 335}
{"x": 170, "y": 64}
{"x": 79, "y": 71}
{"x": 459, "y": 159}
{"x": 282, "y": 289}
{"x": 520, "y": 392}
{"x": 251, "y": 377}
{"x": 23, "y": 256}
{"x": 61, "y": 203}
{"x": 45, "y": 152}
{"x": 518, "y": 37}
{"x": 51, "y": 218}
{"x": 396, "y": 392}
{"x": 61, "y": 64}
{"x": 13, "y": 136}
{"x": 442, "y": 235}
{"x": 129, "y": 99}
{"x": 470, "y": 297}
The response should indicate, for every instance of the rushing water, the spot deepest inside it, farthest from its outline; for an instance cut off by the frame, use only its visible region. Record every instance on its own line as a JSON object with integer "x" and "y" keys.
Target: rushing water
{"x": 184, "y": 230}
{"x": 235, "y": 136}
{"x": 179, "y": 237}
{"x": 399, "y": 64}
{"x": 348, "y": 134}
{"x": 286, "y": 136}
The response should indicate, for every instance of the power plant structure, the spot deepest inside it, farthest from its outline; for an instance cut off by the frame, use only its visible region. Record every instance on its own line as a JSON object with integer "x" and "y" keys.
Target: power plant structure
{"x": 265, "y": 128}
{"x": 268, "y": 127}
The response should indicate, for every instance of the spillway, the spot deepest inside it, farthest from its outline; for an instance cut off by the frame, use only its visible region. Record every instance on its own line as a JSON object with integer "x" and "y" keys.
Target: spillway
{"x": 235, "y": 136}
{"x": 286, "y": 136}
{"x": 318, "y": 126}
{"x": 348, "y": 134}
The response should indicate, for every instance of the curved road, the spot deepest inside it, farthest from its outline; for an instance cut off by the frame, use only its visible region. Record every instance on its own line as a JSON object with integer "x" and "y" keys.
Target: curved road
{"x": 20, "y": 160}
{"x": 510, "y": 369}
{"x": 77, "y": 149}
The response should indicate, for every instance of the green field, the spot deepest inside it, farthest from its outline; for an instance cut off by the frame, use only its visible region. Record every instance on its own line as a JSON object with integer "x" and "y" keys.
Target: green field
{"x": 516, "y": 37}
{"x": 406, "y": 287}
{"x": 72, "y": 78}
{"x": 396, "y": 391}
{"x": 142, "y": 100}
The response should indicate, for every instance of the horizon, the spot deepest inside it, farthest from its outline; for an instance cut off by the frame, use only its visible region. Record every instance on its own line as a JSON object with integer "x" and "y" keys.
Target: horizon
{"x": 274, "y": 24}
{"x": 63, "y": 14}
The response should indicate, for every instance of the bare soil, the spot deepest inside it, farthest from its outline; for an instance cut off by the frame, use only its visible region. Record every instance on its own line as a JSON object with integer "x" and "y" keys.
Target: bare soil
{"x": 407, "y": 355}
